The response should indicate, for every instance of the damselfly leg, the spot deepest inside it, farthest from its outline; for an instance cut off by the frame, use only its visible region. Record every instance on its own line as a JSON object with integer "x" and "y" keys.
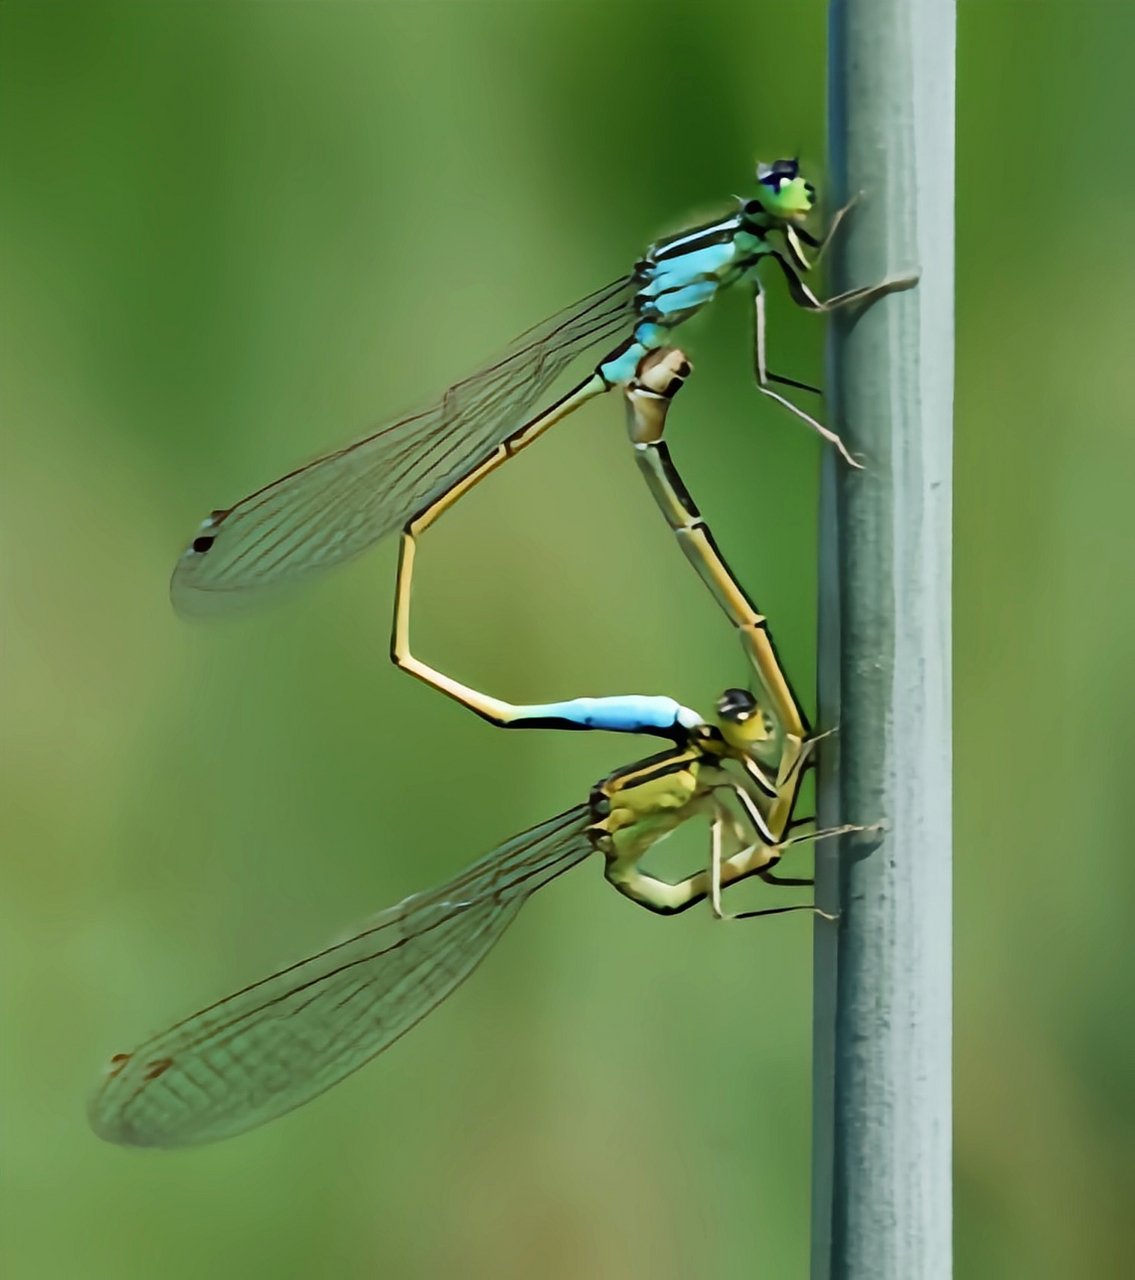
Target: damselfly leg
{"x": 795, "y": 237}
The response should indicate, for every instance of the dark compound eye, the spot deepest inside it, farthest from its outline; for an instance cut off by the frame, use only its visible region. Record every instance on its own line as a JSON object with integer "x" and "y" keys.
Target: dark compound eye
{"x": 736, "y": 705}
{"x": 203, "y": 543}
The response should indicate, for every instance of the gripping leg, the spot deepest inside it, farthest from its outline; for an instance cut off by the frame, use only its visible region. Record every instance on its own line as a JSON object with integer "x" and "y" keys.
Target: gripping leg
{"x": 803, "y": 296}
{"x": 760, "y": 363}
{"x": 667, "y": 899}
{"x": 724, "y": 823}
{"x": 795, "y": 236}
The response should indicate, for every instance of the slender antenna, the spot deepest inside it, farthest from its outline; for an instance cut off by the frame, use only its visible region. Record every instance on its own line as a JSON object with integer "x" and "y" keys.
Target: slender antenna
{"x": 882, "y": 1139}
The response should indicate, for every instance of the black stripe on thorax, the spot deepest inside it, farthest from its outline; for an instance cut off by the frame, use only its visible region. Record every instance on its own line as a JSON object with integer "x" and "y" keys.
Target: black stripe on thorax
{"x": 659, "y": 766}
{"x": 690, "y": 241}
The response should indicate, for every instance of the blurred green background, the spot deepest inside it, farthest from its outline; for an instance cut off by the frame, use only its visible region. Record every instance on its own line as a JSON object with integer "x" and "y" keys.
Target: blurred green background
{"x": 234, "y": 234}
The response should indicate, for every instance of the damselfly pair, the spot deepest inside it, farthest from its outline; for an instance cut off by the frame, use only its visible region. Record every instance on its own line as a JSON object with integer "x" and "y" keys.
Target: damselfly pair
{"x": 279, "y": 1043}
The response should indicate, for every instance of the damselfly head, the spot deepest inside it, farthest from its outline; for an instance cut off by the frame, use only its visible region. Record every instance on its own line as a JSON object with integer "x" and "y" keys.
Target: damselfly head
{"x": 785, "y": 195}
{"x": 741, "y": 720}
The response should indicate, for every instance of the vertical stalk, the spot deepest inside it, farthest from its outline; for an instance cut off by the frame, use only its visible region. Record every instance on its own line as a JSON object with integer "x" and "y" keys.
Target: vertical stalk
{"x": 882, "y": 1137}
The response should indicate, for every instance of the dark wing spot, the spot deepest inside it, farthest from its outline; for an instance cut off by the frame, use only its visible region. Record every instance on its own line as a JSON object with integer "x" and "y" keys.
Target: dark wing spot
{"x": 203, "y": 543}
{"x": 156, "y": 1068}
{"x": 115, "y": 1065}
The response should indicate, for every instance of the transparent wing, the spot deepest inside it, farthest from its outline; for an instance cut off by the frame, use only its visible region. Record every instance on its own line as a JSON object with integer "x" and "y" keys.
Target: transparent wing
{"x": 336, "y": 507}
{"x": 284, "y": 1040}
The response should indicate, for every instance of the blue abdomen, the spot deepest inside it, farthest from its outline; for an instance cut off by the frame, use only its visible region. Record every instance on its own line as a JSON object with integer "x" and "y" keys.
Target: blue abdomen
{"x": 632, "y": 713}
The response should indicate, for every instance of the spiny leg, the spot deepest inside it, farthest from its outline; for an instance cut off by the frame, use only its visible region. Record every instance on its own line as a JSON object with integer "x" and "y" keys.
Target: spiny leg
{"x": 792, "y": 382}
{"x": 798, "y": 882}
{"x": 491, "y": 709}
{"x": 636, "y": 808}
{"x": 772, "y": 853}
{"x": 666, "y": 898}
{"x": 721, "y": 820}
{"x": 780, "y": 911}
{"x": 761, "y": 364}
{"x": 794, "y": 235}
{"x": 715, "y": 839}
{"x": 639, "y": 806}
{"x": 796, "y": 238}
{"x": 778, "y": 816}
{"x": 803, "y": 296}
{"x": 864, "y": 296}
{"x": 758, "y": 837}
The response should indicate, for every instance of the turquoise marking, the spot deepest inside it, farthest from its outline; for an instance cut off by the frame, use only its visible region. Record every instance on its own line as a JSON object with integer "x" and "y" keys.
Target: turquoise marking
{"x": 677, "y": 285}
{"x": 630, "y": 714}
{"x": 700, "y": 262}
{"x": 688, "y": 299}
{"x": 622, "y": 368}
{"x": 652, "y": 335}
